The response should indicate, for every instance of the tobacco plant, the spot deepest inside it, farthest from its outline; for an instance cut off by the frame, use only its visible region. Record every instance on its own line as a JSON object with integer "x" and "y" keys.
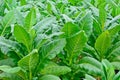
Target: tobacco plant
{"x": 59, "y": 39}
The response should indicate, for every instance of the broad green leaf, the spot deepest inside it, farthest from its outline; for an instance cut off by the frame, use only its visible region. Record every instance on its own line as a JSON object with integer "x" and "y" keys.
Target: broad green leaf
{"x": 22, "y": 36}
{"x": 30, "y": 19}
{"x": 70, "y": 29}
{"x": 91, "y": 66}
{"x": 30, "y": 61}
{"x": 55, "y": 70}
{"x": 115, "y": 53}
{"x": 8, "y": 61}
{"x": 108, "y": 70}
{"x": 9, "y": 69}
{"x": 92, "y": 61}
{"x": 8, "y": 76}
{"x": 7, "y": 21}
{"x": 90, "y": 51}
{"x": 49, "y": 77}
{"x": 116, "y": 64}
{"x": 39, "y": 27}
{"x": 102, "y": 43}
{"x": 12, "y": 45}
{"x": 53, "y": 48}
{"x": 75, "y": 44}
{"x": 86, "y": 22}
{"x": 88, "y": 77}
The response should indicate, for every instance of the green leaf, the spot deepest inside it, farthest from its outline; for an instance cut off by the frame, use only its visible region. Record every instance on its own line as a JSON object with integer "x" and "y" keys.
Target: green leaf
{"x": 10, "y": 4}
{"x": 53, "y": 48}
{"x": 70, "y": 29}
{"x": 55, "y": 70}
{"x": 51, "y": 7}
{"x": 90, "y": 51}
{"x": 12, "y": 45}
{"x": 108, "y": 70}
{"x": 88, "y": 77}
{"x": 115, "y": 53}
{"x": 19, "y": 17}
{"x": 112, "y": 21}
{"x": 74, "y": 1}
{"x": 102, "y": 43}
{"x": 8, "y": 76}
{"x": 40, "y": 40}
{"x": 39, "y": 27}
{"x": 22, "y": 36}
{"x": 9, "y": 69}
{"x": 23, "y": 2}
{"x": 114, "y": 30}
{"x": 102, "y": 13}
{"x": 117, "y": 76}
{"x": 67, "y": 18}
{"x": 7, "y": 21}
{"x": 30, "y": 19}
{"x": 116, "y": 64}
{"x": 49, "y": 77}
{"x": 86, "y": 23}
{"x": 75, "y": 44}
{"x": 8, "y": 61}
{"x": 91, "y": 66}
{"x": 30, "y": 61}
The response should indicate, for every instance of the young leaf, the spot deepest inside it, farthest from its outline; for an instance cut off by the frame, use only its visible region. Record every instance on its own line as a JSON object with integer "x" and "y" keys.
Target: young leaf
{"x": 22, "y": 36}
{"x": 30, "y": 19}
{"x": 75, "y": 44}
{"x": 102, "y": 43}
{"x": 70, "y": 29}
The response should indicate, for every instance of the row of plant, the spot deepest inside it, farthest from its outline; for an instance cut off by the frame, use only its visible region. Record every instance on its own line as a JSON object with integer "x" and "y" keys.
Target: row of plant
{"x": 59, "y": 39}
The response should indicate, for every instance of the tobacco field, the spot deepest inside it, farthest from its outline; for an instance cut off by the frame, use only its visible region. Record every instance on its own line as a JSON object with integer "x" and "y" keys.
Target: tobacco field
{"x": 59, "y": 39}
